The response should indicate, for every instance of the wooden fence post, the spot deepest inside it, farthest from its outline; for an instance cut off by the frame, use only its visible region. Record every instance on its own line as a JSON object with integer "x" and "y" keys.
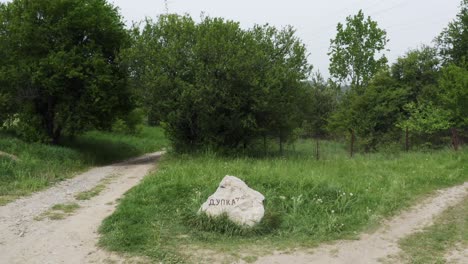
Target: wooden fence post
{"x": 317, "y": 150}
{"x": 406, "y": 140}
{"x": 281, "y": 145}
{"x": 454, "y": 138}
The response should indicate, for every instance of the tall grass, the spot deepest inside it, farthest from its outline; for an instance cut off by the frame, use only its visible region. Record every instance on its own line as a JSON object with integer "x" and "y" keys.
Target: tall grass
{"x": 41, "y": 165}
{"x": 328, "y": 199}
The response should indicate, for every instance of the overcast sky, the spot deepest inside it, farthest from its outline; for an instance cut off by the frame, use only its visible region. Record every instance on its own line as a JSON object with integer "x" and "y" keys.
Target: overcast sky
{"x": 409, "y": 23}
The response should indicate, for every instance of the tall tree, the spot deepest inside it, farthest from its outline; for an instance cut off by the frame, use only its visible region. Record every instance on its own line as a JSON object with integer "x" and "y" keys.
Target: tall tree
{"x": 322, "y": 101}
{"x": 453, "y": 41}
{"x": 373, "y": 114}
{"x": 214, "y": 84}
{"x": 354, "y": 52}
{"x": 61, "y": 70}
{"x": 418, "y": 71}
{"x": 285, "y": 68}
{"x": 453, "y": 94}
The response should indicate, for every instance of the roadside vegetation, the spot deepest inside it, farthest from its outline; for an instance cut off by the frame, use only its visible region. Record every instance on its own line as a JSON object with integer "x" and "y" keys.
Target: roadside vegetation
{"x": 307, "y": 201}
{"x": 39, "y": 166}
{"x": 58, "y": 211}
{"x": 95, "y": 191}
{"x": 434, "y": 243}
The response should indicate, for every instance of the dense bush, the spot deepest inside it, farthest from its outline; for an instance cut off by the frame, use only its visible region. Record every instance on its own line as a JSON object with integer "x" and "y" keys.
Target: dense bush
{"x": 213, "y": 84}
{"x": 131, "y": 123}
{"x": 59, "y": 67}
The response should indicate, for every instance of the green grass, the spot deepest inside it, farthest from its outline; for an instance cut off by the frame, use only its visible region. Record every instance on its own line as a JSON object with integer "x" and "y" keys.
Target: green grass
{"x": 431, "y": 244}
{"x": 59, "y": 211}
{"x": 96, "y": 190}
{"x": 87, "y": 195}
{"x": 40, "y": 165}
{"x": 66, "y": 208}
{"x": 313, "y": 201}
{"x": 99, "y": 148}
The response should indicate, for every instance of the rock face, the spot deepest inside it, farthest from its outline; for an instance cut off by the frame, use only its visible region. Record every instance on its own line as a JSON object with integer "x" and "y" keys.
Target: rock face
{"x": 242, "y": 204}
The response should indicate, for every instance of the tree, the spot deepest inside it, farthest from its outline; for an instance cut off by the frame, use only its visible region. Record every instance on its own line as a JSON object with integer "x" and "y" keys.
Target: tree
{"x": 418, "y": 71}
{"x": 453, "y": 41}
{"x": 454, "y": 93}
{"x": 425, "y": 118}
{"x": 60, "y": 67}
{"x": 373, "y": 114}
{"x": 453, "y": 97}
{"x": 322, "y": 101}
{"x": 284, "y": 69}
{"x": 453, "y": 48}
{"x": 353, "y": 51}
{"x": 213, "y": 84}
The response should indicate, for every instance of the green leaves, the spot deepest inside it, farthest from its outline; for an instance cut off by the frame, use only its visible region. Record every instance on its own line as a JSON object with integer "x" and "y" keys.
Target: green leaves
{"x": 453, "y": 41}
{"x": 60, "y": 64}
{"x": 426, "y": 118}
{"x": 216, "y": 85}
{"x": 353, "y": 51}
{"x": 453, "y": 94}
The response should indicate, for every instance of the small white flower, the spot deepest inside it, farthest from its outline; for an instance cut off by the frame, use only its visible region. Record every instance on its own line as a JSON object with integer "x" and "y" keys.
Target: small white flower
{"x": 282, "y": 197}
{"x": 333, "y": 211}
{"x": 350, "y": 194}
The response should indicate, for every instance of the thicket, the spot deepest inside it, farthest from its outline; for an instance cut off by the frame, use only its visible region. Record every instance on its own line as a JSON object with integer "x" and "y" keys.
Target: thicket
{"x": 421, "y": 99}
{"x": 60, "y": 72}
{"x": 215, "y": 85}
{"x": 71, "y": 66}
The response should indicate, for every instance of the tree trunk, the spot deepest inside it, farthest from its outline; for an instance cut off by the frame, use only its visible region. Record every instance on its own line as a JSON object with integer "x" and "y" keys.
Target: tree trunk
{"x": 351, "y": 148}
{"x": 406, "y": 140}
{"x": 56, "y": 136}
{"x": 281, "y": 145}
{"x": 53, "y": 131}
{"x": 317, "y": 150}
{"x": 455, "y": 141}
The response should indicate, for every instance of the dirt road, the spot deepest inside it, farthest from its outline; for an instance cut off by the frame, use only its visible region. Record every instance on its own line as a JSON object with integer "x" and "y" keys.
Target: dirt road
{"x": 72, "y": 239}
{"x": 372, "y": 248}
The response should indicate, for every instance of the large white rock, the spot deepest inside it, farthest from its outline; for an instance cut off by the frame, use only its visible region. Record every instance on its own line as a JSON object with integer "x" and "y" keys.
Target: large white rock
{"x": 242, "y": 204}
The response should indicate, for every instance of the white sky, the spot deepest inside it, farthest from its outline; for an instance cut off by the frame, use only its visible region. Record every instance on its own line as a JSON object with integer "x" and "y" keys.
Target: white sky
{"x": 409, "y": 23}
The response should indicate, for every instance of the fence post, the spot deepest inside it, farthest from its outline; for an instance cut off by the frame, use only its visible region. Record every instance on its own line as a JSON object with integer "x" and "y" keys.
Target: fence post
{"x": 317, "y": 150}
{"x": 406, "y": 140}
{"x": 281, "y": 145}
{"x": 454, "y": 138}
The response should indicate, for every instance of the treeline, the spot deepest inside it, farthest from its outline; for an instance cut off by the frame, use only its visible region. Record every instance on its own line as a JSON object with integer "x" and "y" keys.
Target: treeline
{"x": 422, "y": 98}
{"x": 215, "y": 85}
{"x": 69, "y": 66}
{"x": 60, "y": 72}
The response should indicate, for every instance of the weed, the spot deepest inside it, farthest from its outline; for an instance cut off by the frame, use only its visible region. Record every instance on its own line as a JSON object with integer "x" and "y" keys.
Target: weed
{"x": 309, "y": 201}
{"x": 58, "y": 211}
{"x": 40, "y": 165}
{"x": 450, "y": 228}
{"x": 96, "y": 190}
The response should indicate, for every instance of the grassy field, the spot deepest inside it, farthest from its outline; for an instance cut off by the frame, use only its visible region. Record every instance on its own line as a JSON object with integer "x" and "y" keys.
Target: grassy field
{"x": 449, "y": 231}
{"x": 307, "y": 201}
{"x": 41, "y": 165}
